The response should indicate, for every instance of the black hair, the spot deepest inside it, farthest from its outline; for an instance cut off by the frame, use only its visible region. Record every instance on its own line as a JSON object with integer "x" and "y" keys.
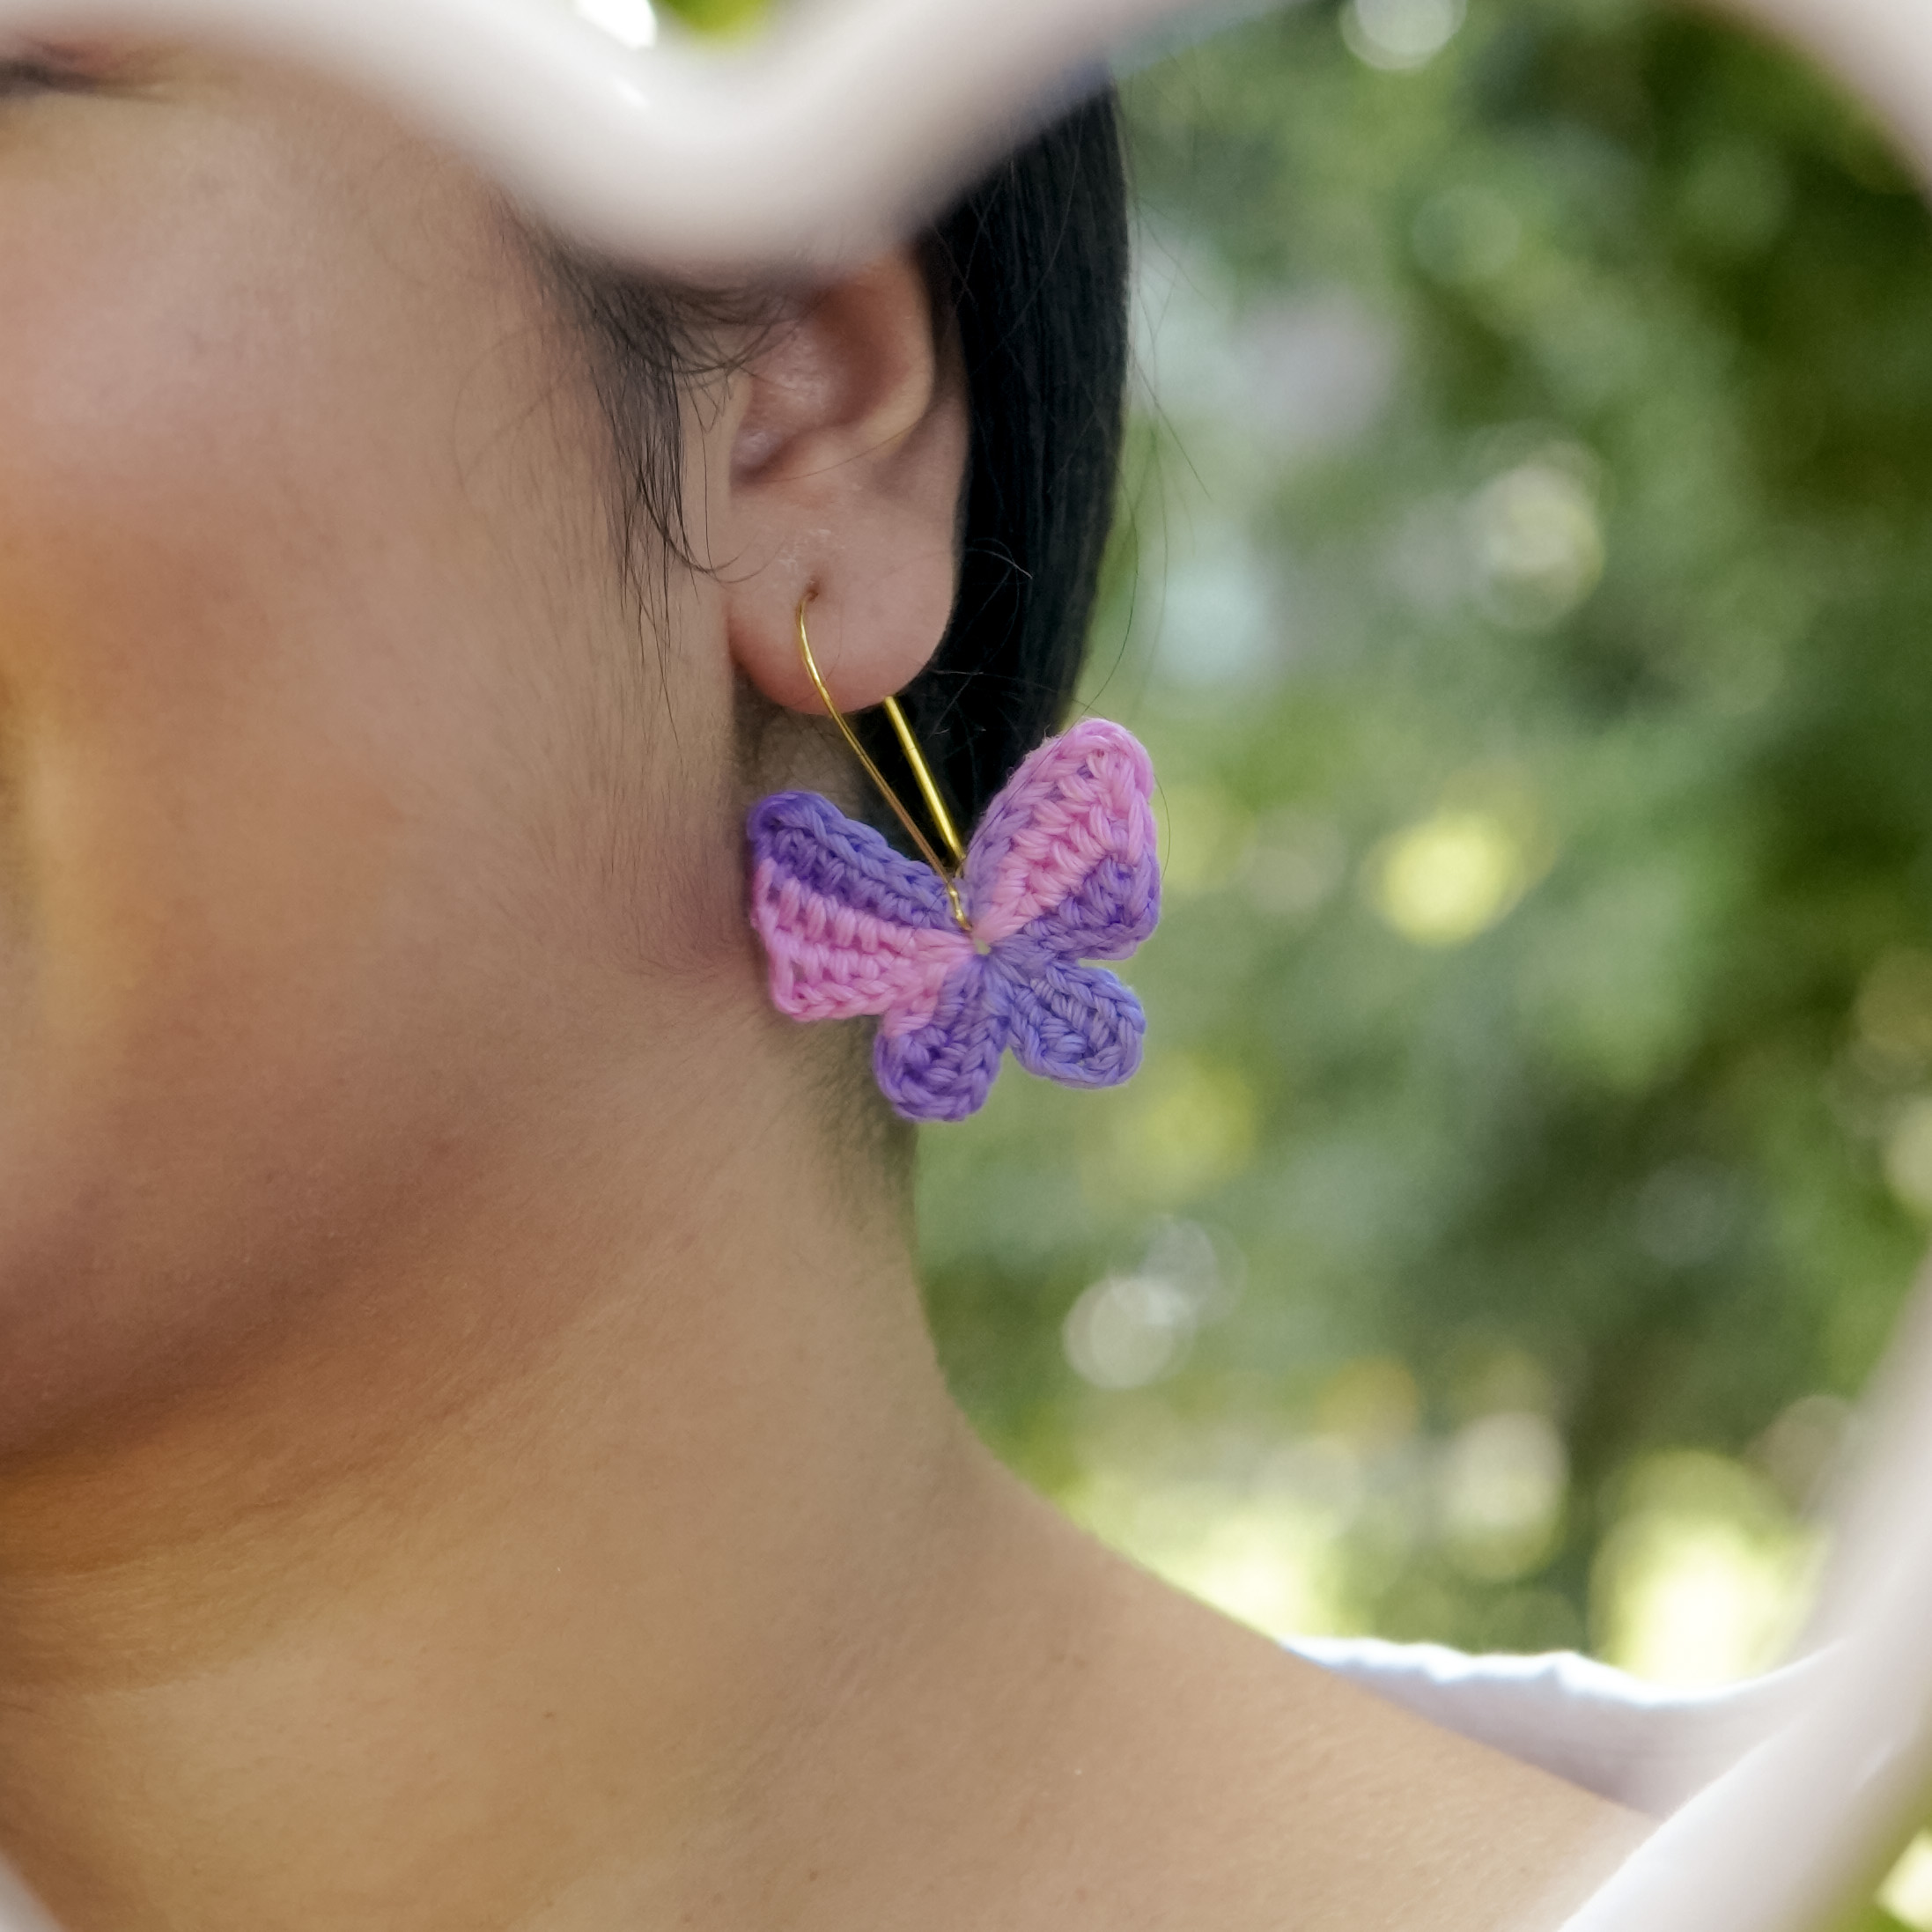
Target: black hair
{"x": 1030, "y": 269}
{"x": 1032, "y": 266}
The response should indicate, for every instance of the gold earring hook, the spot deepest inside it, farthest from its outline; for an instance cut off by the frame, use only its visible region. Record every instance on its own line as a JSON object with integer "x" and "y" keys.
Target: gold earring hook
{"x": 941, "y": 818}
{"x": 928, "y": 790}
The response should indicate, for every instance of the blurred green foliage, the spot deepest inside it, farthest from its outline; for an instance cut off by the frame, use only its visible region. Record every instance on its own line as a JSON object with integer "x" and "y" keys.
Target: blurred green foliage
{"x": 1524, "y": 597}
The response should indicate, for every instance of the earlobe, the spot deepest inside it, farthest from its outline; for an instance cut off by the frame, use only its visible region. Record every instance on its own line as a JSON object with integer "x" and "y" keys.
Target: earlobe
{"x": 846, "y": 458}
{"x": 873, "y": 630}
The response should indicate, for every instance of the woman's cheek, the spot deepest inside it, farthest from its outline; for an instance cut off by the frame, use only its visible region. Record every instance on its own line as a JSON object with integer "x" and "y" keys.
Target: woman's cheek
{"x": 203, "y": 867}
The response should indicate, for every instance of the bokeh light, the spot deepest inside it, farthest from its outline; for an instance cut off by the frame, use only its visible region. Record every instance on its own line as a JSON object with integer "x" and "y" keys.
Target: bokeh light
{"x": 1704, "y": 1578}
{"x": 1449, "y": 877}
{"x": 1400, "y": 34}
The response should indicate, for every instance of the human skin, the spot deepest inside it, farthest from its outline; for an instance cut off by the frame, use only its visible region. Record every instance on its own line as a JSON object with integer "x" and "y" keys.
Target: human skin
{"x": 470, "y": 1455}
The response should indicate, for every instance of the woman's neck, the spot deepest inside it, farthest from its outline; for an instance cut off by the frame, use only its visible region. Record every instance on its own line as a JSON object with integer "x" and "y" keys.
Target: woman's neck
{"x": 530, "y": 1555}
{"x": 603, "y": 1550}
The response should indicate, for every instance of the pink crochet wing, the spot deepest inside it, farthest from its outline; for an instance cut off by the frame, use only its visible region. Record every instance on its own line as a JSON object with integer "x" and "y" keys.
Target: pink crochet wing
{"x": 1068, "y": 848}
{"x": 850, "y": 926}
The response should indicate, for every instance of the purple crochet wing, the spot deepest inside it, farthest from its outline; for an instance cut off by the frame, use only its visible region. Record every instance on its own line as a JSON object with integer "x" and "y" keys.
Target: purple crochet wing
{"x": 1067, "y": 1022}
{"x": 1063, "y": 869}
{"x": 1064, "y": 1022}
{"x": 1068, "y": 847}
{"x": 944, "y": 1069}
{"x": 850, "y": 926}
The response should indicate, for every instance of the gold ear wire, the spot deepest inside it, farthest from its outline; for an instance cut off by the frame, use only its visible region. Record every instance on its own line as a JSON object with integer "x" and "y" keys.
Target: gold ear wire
{"x": 928, "y": 790}
{"x": 941, "y": 818}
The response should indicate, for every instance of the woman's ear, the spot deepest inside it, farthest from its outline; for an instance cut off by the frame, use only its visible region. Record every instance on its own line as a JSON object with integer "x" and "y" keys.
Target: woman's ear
{"x": 843, "y": 455}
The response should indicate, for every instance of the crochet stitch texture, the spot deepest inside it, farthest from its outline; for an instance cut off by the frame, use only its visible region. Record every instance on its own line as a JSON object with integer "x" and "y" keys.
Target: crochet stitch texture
{"x": 1062, "y": 870}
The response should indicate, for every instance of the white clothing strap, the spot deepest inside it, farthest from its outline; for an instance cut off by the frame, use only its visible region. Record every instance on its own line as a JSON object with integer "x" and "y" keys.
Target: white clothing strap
{"x": 1582, "y": 1721}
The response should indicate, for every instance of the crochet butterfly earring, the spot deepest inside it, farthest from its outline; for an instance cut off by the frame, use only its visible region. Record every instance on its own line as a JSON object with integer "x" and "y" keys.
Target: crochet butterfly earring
{"x": 978, "y": 951}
